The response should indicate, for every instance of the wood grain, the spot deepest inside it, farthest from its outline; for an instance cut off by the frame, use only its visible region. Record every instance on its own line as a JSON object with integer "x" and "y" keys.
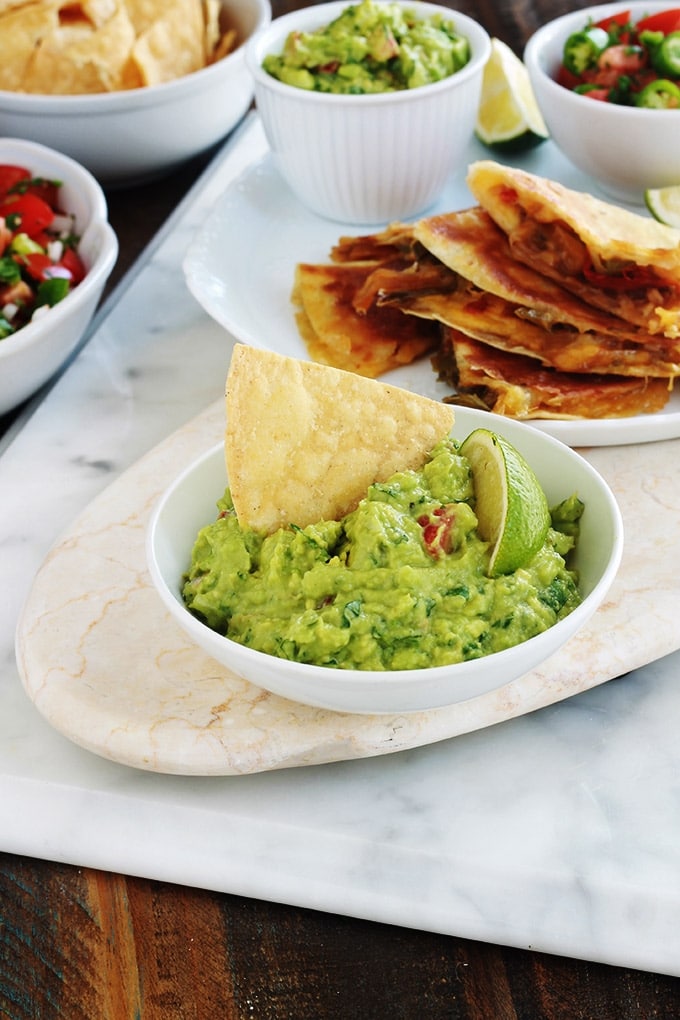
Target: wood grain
{"x": 79, "y": 944}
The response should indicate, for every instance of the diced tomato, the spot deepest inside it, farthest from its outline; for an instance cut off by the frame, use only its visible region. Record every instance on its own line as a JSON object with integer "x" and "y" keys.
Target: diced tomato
{"x": 42, "y": 238}
{"x": 602, "y": 95}
{"x": 507, "y": 194}
{"x": 72, "y": 261}
{"x": 33, "y": 214}
{"x": 605, "y": 78}
{"x": 622, "y": 59}
{"x": 630, "y": 278}
{"x": 567, "y": 79}
{"x": 663, "y": 21}
{"x": 622, "y": 18}
{"x": 37, "y": 265}
{"x": 437, "y": 528}
{"x": 5, "y": 235}
{"x": 48, "y": 191}
{"x": 11, "y": 175}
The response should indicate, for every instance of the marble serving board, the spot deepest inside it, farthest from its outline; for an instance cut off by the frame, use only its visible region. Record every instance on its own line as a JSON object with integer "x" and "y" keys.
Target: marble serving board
{"x": 557, "y": 830}
{"x": 160, "y": 703}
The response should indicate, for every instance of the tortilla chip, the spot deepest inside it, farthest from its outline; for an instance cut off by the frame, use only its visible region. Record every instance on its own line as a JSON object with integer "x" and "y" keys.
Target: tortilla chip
{"x": 226, "y": 44}
{"x": 82, "y": 57}
{"x": 304, "y": 441}
{"x": 21, "y": 30}
{"x": 211, "y": 31}
{"x": 72, "y": 47}
{"x": 173, "y": 45}
{"x": 98, "y": 12}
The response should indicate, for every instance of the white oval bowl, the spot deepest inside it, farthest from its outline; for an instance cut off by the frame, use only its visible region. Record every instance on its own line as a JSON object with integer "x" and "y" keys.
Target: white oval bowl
{"x": 368, "y": 158}
{"x": 133, "y": 135}
{"x": 625, "y": 149}
{"x": 190, "y": 503}
{"x": 31, "y": 356}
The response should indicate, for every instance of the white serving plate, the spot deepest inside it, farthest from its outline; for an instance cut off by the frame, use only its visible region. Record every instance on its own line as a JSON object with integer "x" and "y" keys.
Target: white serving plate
{"x": 241, "y": 263}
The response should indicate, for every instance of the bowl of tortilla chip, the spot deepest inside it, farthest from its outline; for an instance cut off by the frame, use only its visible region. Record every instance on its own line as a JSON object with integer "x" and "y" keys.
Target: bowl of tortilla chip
{"x": 129, "y": 88}
{"x": 304, "y": 443}
{"x": 364, "y": 155}
{"x": 625, "y": 147}
{"x": 50, "y": 287}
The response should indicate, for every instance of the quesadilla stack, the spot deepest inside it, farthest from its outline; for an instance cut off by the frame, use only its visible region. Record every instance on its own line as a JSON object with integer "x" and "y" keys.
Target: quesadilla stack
{"x": 549, "y": 303}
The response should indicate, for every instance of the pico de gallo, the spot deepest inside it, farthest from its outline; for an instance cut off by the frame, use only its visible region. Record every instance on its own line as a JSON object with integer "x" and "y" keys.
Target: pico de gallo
{"x": 631, "y": 64}
{"x": 39, "y": 260}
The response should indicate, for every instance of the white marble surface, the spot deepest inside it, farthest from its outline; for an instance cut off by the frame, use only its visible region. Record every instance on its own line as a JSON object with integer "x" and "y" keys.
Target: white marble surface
{"x": 558, "y": 830}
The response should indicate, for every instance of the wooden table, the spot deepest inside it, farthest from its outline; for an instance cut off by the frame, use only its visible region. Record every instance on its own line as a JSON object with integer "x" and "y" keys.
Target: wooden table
{"x": 79, "y": 944}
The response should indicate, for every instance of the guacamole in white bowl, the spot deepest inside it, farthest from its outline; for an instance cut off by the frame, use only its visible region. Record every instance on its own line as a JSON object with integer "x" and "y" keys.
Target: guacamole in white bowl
{"x": 190, "y": 502}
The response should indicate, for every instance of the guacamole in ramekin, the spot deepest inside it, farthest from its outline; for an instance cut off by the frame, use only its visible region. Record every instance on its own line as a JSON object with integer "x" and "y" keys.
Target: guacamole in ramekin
{"x": 370, "y": 48}
{"x": 399, "y": 583}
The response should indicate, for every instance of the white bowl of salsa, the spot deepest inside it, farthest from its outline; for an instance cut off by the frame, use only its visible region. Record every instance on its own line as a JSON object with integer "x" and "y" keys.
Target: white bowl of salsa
{"x": 368, "y": 157}
{"x": 32, "y": 354}
{"x": 626, "y": 149}
{"x": 190, "y": 503}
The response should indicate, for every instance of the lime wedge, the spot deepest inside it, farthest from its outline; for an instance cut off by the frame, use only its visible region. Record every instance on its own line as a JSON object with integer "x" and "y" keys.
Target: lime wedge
{"x": 508, "y": 116}
{"x": 511, "y": 506}
{"x": 664, "y": 204}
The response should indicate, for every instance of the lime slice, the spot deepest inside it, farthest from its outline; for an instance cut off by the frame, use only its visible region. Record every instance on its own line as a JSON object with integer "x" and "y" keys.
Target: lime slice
{"x": 664, "y": 204}
{"x": 508, "y": 116}
{"x": 511, "y": 507}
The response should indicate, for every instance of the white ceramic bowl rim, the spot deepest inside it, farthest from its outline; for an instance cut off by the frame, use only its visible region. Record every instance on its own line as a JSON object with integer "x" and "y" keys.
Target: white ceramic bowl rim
{"x": 564, "y": 25}
{"x": 34, "y": 156}
{"x": 263, "y": 42}
{"x": 95, "y": 103}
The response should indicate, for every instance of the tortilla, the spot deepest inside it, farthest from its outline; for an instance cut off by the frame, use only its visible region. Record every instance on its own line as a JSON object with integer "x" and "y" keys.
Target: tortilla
{"x": 518, "y": 387}
{"x": 614, "y": 259}
{"x": 304, "y": 441}
{"x": 337, "y": 333}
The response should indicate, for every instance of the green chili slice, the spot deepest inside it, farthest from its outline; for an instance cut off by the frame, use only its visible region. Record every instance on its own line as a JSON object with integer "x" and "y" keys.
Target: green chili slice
{"x": 582, "y": 49}
{"x": 666, "y": 56}
{"x": 659, "y": 95}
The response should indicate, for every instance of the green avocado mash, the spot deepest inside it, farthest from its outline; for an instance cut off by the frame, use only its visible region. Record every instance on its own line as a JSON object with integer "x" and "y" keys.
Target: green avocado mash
{"x": 400, "y": 583}
{"x": 371, "y": 48}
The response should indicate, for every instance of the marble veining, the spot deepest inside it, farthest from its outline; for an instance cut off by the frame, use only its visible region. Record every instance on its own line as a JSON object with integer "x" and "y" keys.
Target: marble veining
{"x": 162, "y": 704}
{"x": 558, "y": 829}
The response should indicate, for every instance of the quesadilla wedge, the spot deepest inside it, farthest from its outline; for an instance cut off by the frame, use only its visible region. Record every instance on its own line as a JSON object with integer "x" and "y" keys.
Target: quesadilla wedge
{"x": 518, "y": 387}
{"x": 614, "y": 259}
{"x": 491, "y": 320}
{"x": 369, "y": 342}
{"x": 471, "y": 244}
{"x": 395, "y": 240}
